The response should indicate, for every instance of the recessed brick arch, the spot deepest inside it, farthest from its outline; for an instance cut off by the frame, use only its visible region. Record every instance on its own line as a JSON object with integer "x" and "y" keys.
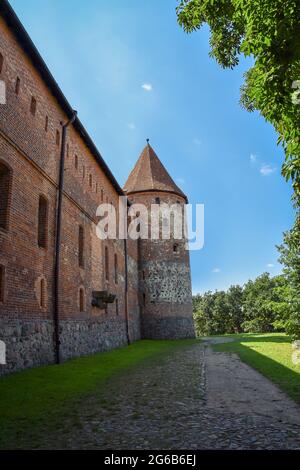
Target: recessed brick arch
{"x": 41, "y": 292}
{"x": 6, "y": 175}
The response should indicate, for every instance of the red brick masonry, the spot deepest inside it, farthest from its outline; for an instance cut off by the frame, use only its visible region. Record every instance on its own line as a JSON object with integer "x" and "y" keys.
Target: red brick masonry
{"x": 158, "y": 288}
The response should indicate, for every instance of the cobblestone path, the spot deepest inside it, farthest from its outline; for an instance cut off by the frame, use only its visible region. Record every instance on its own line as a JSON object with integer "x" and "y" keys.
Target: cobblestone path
{"x": 192, "y": 399}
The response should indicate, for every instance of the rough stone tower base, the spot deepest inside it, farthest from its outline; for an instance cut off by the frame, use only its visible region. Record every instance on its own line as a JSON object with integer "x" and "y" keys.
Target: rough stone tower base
{"x": 167, "y": 327}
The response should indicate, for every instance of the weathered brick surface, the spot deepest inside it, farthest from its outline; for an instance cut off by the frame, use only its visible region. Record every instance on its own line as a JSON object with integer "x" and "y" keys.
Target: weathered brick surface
{"x": 33, "y": 155}
{"x": 164, "y": 279}
{"x": 30, "y": 144}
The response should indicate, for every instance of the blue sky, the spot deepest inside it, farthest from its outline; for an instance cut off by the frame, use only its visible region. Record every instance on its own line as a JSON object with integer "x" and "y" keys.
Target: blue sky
{"x": 102, "y": 52}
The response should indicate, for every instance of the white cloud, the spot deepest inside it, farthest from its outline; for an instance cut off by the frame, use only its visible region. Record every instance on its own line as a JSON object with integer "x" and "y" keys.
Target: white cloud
{"x": 197, "y": 141}
{"x": 216, "y": 270}
{"x": 253, "y": 158}
{"x": 180, "y": 180}
{"x": 147, "y": 87}
{"x": 131, "y": 126}
{"x": 270, "y": 265}
{"x": 267, "y": 170}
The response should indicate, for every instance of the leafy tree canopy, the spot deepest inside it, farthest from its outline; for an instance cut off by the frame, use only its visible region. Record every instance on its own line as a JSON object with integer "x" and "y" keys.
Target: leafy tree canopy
{"x": 290, "y": 290}
{"x": 269, "y": 31}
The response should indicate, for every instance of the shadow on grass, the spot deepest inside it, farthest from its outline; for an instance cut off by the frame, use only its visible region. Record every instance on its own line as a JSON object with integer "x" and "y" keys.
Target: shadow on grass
{"x": 271, "y": 356}
{"x": 35, "y": 401}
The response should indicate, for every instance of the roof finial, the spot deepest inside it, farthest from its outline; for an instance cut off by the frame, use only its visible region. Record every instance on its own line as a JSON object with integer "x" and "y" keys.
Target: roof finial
{"x": 148, "y": 140}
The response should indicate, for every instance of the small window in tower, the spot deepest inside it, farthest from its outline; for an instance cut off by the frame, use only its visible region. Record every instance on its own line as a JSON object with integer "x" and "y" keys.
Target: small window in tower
{"x": 33, "y": 106}
{"x": 175, "y": 248}
{"x": 116, "y": 269}
{"x": 157, "y": 200}
{"x": 81, "y": 300}
{"x": 106, "y": 263}
{"x": 43, "y": 222}
{"x": 76, "y": 162}
{"x": 46, "y": 123}
{"x": 117, "y": 307}
{"x": 5, "y": 185}
{"x": 2, "y": 283}
{"x": 144, "y": 299}
{"x": 143, "y": 274}
{"x": 1, "y": 62}
{"x": 81, "y": 246}
{"x": 91, "y": 180}
{"x": 57, "y": 137}
{"x": 17, "y": 87}
{"x": 42, "y": 293}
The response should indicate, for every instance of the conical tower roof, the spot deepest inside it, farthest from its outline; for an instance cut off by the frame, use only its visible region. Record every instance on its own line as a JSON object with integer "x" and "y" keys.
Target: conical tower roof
{"x": 149, "y": 174}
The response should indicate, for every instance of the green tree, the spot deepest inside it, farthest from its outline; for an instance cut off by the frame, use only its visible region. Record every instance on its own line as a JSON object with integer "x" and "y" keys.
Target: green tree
{"x": 269, "y": 32}
{"x": 203, "y": 313}
{"x": 234, "y": 300}
{"x": 219, "y": 312}
{"x": 290, "y": 258}
{"x": 257, "y": 304}
{"x": 220, "y": 323}
{"x": 282, "y": 305}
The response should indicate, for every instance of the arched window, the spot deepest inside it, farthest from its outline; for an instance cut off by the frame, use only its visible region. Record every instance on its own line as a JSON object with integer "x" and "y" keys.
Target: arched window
{"x": 5, "y": 186}
{"x": 76, "y": 162}
{"x": 46, "y": 123}
{"x": 2, "y": 282}
{"x": 33, "y": 106}
{"x": 1, "y": 62}
{"x": 106, "y": 263}
{"x": 116, "y": 269}
{"x": 81, "y": 246}
{"x": 81, "y": 300}
{"x": 43, "y": 222}
{"x": 42, "y": 293}
{"x": 17, "y": 87}
{"x": 91, "y": 180}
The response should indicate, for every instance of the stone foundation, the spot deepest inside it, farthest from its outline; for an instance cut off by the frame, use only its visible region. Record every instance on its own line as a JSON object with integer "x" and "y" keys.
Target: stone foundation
{"x": 154, "y": 327}
{"x": 30, "y": 343}
{"x": 81, "y": 338}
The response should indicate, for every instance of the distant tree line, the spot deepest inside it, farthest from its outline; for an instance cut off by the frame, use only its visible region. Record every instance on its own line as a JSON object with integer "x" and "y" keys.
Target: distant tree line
{"x": 263, "y": 305}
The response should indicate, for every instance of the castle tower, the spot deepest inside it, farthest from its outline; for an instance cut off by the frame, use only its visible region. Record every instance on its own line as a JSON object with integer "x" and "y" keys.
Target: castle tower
{"x": 164, "y": 265}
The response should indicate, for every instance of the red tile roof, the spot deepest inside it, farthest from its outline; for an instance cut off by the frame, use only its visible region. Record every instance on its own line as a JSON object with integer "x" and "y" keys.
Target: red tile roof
{"x": 149, "y": 174}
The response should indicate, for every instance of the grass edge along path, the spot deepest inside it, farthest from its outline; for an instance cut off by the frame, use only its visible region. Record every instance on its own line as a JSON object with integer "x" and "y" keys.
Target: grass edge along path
{"x": 36, "y": 400}
{"x": 271, "y": 355}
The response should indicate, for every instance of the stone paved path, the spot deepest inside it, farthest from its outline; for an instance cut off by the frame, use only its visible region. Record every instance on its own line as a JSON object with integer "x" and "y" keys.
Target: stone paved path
{"x": 192, "y": 399}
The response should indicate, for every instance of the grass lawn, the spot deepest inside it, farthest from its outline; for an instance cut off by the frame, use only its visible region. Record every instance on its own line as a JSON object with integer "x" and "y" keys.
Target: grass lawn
{"x": 37, "y": 401}
{"x": 271, "y": 355}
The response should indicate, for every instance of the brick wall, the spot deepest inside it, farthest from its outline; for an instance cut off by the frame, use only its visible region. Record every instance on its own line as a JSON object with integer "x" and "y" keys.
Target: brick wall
{"x": 30, "y": 137}
{"x": 164, "y": 279}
